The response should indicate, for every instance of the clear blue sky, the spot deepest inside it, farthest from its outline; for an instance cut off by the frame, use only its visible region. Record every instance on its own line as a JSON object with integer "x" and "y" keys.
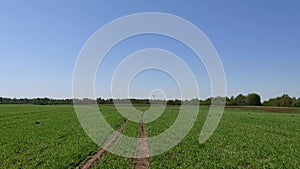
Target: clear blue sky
{"x": 257, "y": 41}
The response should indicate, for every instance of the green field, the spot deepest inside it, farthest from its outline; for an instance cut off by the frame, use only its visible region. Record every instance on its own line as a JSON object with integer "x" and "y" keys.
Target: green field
{"x": 51, "y": 137}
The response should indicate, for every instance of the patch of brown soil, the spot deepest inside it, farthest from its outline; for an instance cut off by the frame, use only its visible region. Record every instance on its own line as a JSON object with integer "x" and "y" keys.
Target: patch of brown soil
{"x": 143, "y": 153}
{"x": 96, "y": 157}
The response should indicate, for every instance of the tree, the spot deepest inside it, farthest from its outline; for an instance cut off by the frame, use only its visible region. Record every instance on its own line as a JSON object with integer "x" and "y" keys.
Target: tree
{"x": 282, "y": 101}
{"x": 240, "y": 100}
{"x": 230, "y": 101}
{"x": 285, "y": 101}
{"x": 253, "y": 99}
{"x": 205, "y": 102}
{"x": 296, "y": 103}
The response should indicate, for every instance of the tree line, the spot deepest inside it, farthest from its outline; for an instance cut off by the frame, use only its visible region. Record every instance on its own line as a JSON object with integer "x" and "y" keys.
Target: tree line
{"x": 283, "y": 101}
{"x": 36, "y": 101}
{"x": 251, "y": 99}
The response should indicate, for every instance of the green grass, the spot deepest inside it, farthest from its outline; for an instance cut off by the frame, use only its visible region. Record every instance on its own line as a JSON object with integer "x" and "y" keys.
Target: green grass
{"x": 57, "y": 142}
{"x": 244, "y": 139}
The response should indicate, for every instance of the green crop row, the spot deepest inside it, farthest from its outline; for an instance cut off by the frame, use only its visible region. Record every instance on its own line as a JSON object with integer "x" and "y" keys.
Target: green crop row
{"x": 51, "y": 137}
{"x": 243, "y": 139}
{"x": 46, "y": 136}
{"x": 41, "y": 137}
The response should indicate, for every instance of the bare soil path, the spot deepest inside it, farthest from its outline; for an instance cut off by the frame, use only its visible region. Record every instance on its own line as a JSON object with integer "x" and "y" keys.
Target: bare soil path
{"x": 110, "y": 142}
{"x": 143, "y": 152}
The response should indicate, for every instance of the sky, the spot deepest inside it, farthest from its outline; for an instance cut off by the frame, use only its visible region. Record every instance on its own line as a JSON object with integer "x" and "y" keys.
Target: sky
{"x": 257, "y": 41}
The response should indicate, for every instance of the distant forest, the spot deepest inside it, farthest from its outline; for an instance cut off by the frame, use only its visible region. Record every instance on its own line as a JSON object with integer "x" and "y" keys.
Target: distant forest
{"x": 252, "y": 99}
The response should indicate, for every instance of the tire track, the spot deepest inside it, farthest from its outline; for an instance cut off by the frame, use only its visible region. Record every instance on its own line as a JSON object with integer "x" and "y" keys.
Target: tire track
{"x": 107, "y": 145}
{"x": 143, "y": 152}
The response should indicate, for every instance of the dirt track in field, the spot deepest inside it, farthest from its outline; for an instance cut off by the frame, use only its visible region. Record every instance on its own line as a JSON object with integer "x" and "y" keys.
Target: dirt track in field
{"x": 96, "y": 157}
{"x": 143, "y": 152}
{"x": 143, "y": 149}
